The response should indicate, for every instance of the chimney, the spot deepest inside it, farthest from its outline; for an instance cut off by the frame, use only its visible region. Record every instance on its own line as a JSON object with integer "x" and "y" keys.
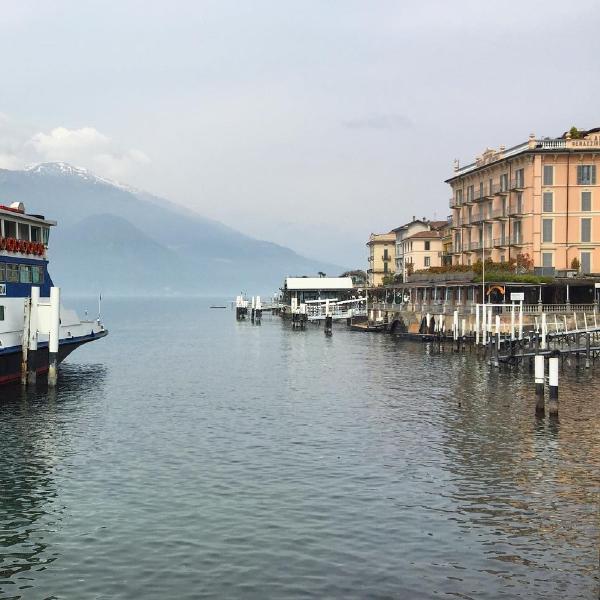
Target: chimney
{"x": 414, "y": 218}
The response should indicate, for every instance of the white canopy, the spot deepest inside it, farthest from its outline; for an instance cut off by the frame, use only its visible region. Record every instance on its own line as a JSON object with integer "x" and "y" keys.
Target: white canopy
{"x": 319, "y": 283}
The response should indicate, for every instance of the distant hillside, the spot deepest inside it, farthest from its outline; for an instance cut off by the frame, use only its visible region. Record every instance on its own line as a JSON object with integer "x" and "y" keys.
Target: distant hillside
{"x": 122, "y": 240}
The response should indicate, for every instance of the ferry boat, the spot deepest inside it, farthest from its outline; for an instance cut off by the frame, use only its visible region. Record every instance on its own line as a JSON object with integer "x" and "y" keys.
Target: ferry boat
{"x": 28, "y": 299}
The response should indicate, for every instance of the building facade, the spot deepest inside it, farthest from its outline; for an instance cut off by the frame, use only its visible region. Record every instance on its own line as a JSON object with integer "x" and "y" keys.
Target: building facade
{"x": 540, "y": 199}
{"x": 415, "y": 243}
{"x": 422, "y": 250}
{"x": 382, "y": 247}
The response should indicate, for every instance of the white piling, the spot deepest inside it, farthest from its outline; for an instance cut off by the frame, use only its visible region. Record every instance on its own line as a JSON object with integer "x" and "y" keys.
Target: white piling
{"x": 575, "y": 319}
{"x": 53, "y": 340}
{"x": 512, "y": 323}
{"x": 477, "y": 324}
{"x": 553, "y": 382}
{"x": 464, "y": 327}
{"x": 544, "y": 331}
{"x": 498, "y": 332}
{"x": 33, "y": 336}
{"x": 484, "y": 325}
{"x": 539, "y": 383}
{"x": 521, "y": 320}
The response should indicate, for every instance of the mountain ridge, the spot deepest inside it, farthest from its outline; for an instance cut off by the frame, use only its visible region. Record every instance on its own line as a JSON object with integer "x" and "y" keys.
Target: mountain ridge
{"x": 211, "y": 256}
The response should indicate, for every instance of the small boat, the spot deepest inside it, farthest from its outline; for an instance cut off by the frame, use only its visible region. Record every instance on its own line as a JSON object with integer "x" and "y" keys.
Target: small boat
{"x": 218, "y": 307}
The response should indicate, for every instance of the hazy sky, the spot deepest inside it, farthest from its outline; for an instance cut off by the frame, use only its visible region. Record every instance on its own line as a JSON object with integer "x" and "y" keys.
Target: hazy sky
{"x": 307, "y": 123}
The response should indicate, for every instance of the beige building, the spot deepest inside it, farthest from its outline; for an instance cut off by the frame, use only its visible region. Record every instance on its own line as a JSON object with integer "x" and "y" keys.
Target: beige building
{"x": 381, "y": 257}
{"x": 540, "y": 198}
{"x": 423, "y": 250}
{"x": 419, "y": 243}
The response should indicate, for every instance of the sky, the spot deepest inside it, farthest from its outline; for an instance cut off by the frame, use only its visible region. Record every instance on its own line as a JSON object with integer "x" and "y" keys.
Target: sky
{"x": 310, "y": 124}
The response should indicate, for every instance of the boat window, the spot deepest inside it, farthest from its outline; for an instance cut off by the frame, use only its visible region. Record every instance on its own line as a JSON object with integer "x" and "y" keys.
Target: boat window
{"x": 1, "y": 313}
{"x": 10, "y": 229}
{"x": 45, "y": 235}
{"x": 24, "y": 273}
{"x": 37, "y": 274}
{"x": 12, "y": 273}
{"x": 36, "y": 234}
{"x": 24, "y": 231}
{"x": 2, "y": 272}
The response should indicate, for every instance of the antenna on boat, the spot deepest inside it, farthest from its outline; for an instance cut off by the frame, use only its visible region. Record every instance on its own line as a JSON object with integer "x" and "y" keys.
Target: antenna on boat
{"x": 99, "y": 307}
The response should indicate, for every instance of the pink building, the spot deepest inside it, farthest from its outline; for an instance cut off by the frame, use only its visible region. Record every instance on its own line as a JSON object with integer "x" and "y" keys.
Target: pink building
{"x": 540, "y": 198}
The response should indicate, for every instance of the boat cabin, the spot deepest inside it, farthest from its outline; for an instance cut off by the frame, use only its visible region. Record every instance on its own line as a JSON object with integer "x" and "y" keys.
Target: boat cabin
{"x": 23, "y": 251}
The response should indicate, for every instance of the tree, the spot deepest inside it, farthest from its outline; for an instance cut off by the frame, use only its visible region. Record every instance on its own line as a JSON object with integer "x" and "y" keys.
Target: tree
{"x": 574, "y": 133}
{"x": 359, "y": 277}
{"x": 524, "y": 263}
{"x": 575, "y": 264}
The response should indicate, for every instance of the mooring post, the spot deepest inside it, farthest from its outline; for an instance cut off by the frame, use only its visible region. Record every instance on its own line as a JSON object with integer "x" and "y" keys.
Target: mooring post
{"x": 33, "y": 336}
{"x": 53, "y": 340}
{"x": 587, "y": 350}
{"x": 484, "y": 326}
{"x": 512, "y": 323}
{"x": 553, "y": 381}
{"x": 477, "y": 324}
{"x": 521, "y": 320}
{"x": 544, "y": 342}
{"x": 25, "y": 340}
{"x": 539, "y": 383}
{"x": 258, "y": 310}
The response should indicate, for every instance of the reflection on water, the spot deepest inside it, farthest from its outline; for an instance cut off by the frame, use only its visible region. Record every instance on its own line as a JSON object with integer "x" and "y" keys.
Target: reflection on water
{"x": 189, "y": 456}
{"x": 32, "y": 442}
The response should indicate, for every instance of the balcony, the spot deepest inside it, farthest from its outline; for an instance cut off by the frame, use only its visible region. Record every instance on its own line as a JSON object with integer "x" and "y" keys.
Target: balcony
{"x": 386, "y": 258}
{"x": 478, "y": 218}
{"x": 515, "y": 209}
{"x": 557, "y": 144}
{"x": 455, "y": 202}
{"x": 500, "y": 213}
{"x": 517, "y": 240}
{"x": 517, "y": 184}
{"x": 500, "y": 242}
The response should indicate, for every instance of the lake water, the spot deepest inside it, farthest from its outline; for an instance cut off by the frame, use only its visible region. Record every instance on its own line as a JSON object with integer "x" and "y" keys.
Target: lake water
{"x": 191, "y": 456}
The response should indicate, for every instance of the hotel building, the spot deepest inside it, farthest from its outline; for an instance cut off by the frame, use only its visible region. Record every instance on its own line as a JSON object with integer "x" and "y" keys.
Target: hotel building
{"x": 540, "y": 198}
{"x": 381, "y": 257}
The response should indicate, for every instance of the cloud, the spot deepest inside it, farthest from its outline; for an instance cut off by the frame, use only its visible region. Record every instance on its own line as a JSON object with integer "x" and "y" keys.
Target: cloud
{"x": 89, "y": 148}
{"x": 85, "y": 147}
{"x": 382, "y": 122}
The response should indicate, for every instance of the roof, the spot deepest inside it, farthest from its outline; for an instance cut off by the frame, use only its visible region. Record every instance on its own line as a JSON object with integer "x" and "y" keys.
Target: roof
{"x": 437, "y": 224}
{"x": 425, "y": 234}
{"x": 409, "y": 223}
{"x": 319, "y": 283}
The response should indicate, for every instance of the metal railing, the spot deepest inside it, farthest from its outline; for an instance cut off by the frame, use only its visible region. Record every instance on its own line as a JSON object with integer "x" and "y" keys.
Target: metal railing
{"x": 468, "y": 306}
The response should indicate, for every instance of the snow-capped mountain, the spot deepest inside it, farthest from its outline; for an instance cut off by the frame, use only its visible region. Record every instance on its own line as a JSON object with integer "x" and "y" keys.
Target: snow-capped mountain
{"x": 116, "y": 238}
